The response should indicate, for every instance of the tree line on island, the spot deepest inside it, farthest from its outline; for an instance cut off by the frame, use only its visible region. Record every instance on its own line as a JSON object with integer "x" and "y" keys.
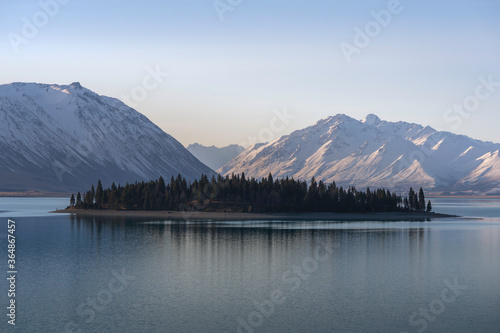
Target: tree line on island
{"x": 240, "y": 194}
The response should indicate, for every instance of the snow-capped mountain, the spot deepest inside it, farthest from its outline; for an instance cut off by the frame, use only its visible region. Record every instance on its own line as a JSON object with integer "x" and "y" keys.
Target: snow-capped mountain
{"x": 214, "y": 157}
{"x": 64, "y": 137}
{"x": 376, "y": 153}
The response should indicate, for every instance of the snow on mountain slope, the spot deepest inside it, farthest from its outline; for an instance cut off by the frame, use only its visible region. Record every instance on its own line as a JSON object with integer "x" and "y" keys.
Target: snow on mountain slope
{"x": 376, "y": 153}
{"x": 486, "y": 176}
{"x": 214, "y": 157}
{"x": 63, "y": 138}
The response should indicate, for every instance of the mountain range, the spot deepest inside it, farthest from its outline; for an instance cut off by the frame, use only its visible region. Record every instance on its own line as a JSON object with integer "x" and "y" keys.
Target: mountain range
{"x": 376, "y": 153}
{"x": 214, "y": 157}
{"x": 62, "y": 138}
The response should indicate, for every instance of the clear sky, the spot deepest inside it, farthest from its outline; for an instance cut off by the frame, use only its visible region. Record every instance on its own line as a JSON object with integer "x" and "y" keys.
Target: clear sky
{"x": 231, "y": 68}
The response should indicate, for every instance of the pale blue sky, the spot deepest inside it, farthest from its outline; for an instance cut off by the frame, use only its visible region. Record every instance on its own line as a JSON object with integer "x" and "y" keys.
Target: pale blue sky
{"x": 227, "y": 76}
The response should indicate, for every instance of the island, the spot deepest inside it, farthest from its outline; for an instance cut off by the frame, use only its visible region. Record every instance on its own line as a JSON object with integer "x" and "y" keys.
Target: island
{"x": 236, "y": 197}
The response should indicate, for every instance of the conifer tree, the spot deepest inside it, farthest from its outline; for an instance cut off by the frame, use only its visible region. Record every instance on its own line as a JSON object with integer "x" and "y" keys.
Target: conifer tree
{"x": 98, "y": 194}
{"x": 91, "y": 195}
{"x": 147, "y": 204}
{"x": 413, "y": 200}
{"x": 161, "y": 185}
{"x": 421, "y": 200}
{"x": 78, "y": 200}
{"x": 105, "y": 198}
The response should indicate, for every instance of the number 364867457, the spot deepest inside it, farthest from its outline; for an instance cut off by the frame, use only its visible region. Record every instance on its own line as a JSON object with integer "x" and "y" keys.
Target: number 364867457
{"x": 11, "y": 229}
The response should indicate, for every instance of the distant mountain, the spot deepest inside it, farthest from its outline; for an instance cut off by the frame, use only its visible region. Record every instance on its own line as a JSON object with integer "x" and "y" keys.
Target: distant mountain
{"x": 215, "y": 157}
{"x": 61, "y": 138}
{"x": 377, "y": 153}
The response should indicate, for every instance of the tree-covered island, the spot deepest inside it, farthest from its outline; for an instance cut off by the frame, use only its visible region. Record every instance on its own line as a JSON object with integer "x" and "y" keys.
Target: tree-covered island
{"x": 239, "y": 194}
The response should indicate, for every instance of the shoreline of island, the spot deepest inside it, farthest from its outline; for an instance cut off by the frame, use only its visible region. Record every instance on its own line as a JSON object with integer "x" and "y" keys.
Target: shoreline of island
{"x": 236, "y": 216}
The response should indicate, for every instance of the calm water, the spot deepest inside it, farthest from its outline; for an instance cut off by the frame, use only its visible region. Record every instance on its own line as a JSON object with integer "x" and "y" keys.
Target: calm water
{"x": 123, "y": 275}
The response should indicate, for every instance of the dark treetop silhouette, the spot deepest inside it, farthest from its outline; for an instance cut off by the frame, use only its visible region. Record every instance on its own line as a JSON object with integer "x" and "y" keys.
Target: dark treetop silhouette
{"x": 239, "y": 194}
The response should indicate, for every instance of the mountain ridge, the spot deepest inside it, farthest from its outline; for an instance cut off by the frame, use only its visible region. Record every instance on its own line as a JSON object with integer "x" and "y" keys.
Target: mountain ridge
{"x": 61, "y": 138}
{"x": 376, "y": 153}
{"x": 214, "y": 157}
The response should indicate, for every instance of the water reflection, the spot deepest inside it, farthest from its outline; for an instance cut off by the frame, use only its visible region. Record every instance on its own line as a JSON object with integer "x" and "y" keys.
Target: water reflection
{"x": 221, "y": 237}
{"x": 203, "y": 276}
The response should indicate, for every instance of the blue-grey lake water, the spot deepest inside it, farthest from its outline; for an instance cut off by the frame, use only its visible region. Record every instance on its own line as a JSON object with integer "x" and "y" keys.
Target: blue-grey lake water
{"x": 86, "y": 274}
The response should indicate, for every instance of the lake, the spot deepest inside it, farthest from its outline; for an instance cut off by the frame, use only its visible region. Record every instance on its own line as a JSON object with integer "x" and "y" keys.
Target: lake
{"x": 98, "y": 274}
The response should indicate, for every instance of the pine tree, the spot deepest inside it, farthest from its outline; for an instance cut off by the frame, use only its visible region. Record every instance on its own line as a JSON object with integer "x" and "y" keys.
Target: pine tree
{"x": 413, "y": 200}
{"x": 91, "y": 195}
{"x": 105, "y": 198}
{"x": 161, "y": 185}
{"x": 421, "y": 200}
{"x": 87, "y": 200}
{"x": 78, "y": 200}
{"x": 429, "y": 207}
{"x": 312, "y": 196}
{"x": 147, "y": 203}
{"x": 270, "y": 182}
{"x": 98, "y": 194}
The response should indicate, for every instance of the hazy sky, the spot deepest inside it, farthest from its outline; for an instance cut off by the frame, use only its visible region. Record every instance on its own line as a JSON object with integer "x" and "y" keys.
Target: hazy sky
{"x": 232, "y": 67}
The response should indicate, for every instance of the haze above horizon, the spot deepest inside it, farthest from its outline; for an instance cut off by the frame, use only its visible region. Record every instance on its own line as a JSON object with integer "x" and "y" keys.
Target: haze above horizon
{"x": 233, "y": 67}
